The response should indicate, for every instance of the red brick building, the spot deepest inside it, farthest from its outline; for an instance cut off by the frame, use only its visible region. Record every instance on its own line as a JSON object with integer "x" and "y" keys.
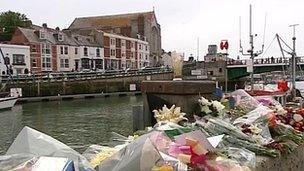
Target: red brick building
{"x": 121, "y": 52}
{"x": 142, "y": 26}
{"x": 43, "y": 50}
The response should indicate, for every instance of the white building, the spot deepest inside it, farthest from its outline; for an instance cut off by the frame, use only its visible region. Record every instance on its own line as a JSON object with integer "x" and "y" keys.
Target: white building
{"x": 16, "y": 58}
{"x": 143, "y": 53}
{"x": 167, "y": 59}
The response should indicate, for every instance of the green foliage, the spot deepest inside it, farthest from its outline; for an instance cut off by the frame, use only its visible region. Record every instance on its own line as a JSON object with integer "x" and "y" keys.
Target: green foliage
{"x": 9, "y": 21}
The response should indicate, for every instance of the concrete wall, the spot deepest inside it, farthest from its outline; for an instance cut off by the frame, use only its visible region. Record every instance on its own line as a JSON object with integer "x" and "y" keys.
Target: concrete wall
{"x": 119, "y": 84}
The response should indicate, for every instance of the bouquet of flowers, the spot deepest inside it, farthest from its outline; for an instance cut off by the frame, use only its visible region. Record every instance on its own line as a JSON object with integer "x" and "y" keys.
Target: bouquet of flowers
{"x": 215, "y": 108}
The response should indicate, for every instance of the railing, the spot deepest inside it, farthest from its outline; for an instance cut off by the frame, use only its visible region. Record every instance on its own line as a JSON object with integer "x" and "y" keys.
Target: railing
{"x": 73, "y": 76}
{"x": 270, "y": 60}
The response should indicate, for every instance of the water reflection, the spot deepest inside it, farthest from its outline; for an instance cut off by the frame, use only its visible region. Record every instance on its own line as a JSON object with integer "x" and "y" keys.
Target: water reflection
{"x": 77, "y": 123}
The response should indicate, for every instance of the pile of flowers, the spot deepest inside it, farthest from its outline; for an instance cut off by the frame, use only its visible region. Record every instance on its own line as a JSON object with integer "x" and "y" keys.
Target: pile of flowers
{"x": 229, "y": 135}
{"x": 254, "y": 126}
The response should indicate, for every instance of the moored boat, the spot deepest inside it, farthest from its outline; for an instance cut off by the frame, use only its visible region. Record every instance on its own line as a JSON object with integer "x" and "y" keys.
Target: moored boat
{"x": 7, "y": 102}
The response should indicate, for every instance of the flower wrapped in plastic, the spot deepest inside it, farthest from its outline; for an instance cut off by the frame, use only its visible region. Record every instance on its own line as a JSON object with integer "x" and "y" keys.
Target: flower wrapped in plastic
{"x": 244, "y": 101}
{"x": 96, "y": 154}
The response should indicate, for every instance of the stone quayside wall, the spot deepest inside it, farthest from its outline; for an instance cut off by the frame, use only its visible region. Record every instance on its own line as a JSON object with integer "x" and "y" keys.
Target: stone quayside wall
{"x": 107, "y": 85}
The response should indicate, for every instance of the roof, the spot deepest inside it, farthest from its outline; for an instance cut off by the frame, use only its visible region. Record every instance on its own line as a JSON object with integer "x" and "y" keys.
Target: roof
{"x": 29, "y": 34}
{"x": 50, "y": 34}
{"x": 118, "y": 20}
{"x": 84, "y": 40}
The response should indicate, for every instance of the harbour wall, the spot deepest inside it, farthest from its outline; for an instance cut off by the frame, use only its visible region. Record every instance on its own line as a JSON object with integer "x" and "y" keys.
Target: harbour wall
{"x": 40, "y": 88}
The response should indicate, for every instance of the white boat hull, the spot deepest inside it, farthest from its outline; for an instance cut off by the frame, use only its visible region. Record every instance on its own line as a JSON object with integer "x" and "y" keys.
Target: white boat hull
{"x": 7, "y": 102}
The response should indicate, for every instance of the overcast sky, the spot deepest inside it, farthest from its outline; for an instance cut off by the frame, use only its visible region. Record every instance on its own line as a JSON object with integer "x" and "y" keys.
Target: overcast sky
{"x": 183, "y": 21}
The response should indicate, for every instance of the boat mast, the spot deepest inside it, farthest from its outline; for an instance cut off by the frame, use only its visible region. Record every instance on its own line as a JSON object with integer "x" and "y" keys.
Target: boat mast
{"x": 293, "y": 59}
{"x": 251, "y": 53}
{"x": 251, "y": 46}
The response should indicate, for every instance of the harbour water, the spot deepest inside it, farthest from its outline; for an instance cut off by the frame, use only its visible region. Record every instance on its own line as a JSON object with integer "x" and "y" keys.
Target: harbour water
{"x": 77, "y": 123}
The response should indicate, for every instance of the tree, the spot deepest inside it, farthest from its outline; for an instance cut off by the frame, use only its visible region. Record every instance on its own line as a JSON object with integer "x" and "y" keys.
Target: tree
{"x": 9, "y": 21}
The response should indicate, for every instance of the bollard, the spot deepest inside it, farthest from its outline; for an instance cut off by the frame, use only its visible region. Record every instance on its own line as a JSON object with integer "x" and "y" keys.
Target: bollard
{"x": 138, "y": 119}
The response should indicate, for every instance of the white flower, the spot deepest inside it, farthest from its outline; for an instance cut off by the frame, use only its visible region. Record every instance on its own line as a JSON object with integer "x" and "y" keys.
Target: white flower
{"x": 218, "y": 105}
{"x": 255, "y": 129}
{"x": 206, "y": 109}
{"x": 173, "y": 114}
{"x": 204, "y": 101}
{"x": 297, "y": 117}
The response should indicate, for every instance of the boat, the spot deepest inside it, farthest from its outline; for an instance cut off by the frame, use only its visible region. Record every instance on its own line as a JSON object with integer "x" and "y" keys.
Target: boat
{"x": 8, "y": 101}
{"x": 259, "y": 89}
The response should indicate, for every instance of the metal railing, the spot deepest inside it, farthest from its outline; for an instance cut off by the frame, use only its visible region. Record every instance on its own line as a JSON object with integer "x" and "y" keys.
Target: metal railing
{"x": 270, "y": 60}
{"x": 74, "y": 76}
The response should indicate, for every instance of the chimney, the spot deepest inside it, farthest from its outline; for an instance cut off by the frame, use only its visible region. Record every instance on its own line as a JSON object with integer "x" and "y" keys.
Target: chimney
{"x": 44, "y": 25}
{"x": 57, "y": 29}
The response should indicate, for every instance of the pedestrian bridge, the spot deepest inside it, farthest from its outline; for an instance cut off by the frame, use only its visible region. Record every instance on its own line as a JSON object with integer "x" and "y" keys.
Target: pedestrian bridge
{"x": 237, "y": 68}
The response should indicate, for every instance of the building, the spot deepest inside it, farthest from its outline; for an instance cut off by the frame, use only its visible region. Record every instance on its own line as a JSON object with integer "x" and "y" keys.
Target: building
{"x": 167, "y": 59}
{"x": 52, "y": 50}
{"x": 142, "y": 26}
{"x": 123, "y": 52}
{"x": 43, "y": 49}
{"x": 89, "y": 54}
{"x": 16, "y": 59}
{"x": 213, "y": 55}
{"x": 55, "y": 50}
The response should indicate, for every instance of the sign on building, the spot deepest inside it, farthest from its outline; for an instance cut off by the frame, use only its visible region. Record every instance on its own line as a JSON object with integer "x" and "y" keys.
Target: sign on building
{"x": 196, "y": 72}
{"x": 132, "y": 87}
{"x": 16, "y": 92}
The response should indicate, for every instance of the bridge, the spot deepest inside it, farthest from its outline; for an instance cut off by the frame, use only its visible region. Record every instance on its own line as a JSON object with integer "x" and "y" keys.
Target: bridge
{"x": 237, "y": 68}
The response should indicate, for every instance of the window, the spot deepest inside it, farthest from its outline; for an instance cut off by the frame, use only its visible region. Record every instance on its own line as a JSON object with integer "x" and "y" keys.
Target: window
{"x": 85, "y": 63}
{"x": 66, "y": 50}
{"x": 99, "y": 63}
{"x": 132, "y": 44}
{"x": 139, "y": 46}
{"x": 33, "y": 48}
{"x": 34, "y": 63}
{"x": 76, "y": 51}
{"x": 220, "y": 70}
{"x": 113, "y": 52}
{"x": 140, "y": 56}
{"x": 18, "y": 59}
{"x": 146, "y": 48}
{"x": 123, "y": 54}
{"x": 66, "y": 63}
{"x": 61, "y": 50}
{"x": 19, "y": 71}
{"x": 61, "y": 63}
{"x": 7, "y": 61}
{"x": 46, "y": 62}
{"x": 85, "y": 51}
{"x": 60, "y": 37}
{"x": 98, "y": 52}
{"x": 42, "y": 35}
{"x": 112, "y": 41}
{"x": 146, "y": 57}
{"x": 46, "y": 48}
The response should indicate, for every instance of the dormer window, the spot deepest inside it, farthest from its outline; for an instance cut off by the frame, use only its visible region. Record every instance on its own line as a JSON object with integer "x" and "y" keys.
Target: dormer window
{"x": 60, "y": 37}
{"x": 42, "y": 35}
